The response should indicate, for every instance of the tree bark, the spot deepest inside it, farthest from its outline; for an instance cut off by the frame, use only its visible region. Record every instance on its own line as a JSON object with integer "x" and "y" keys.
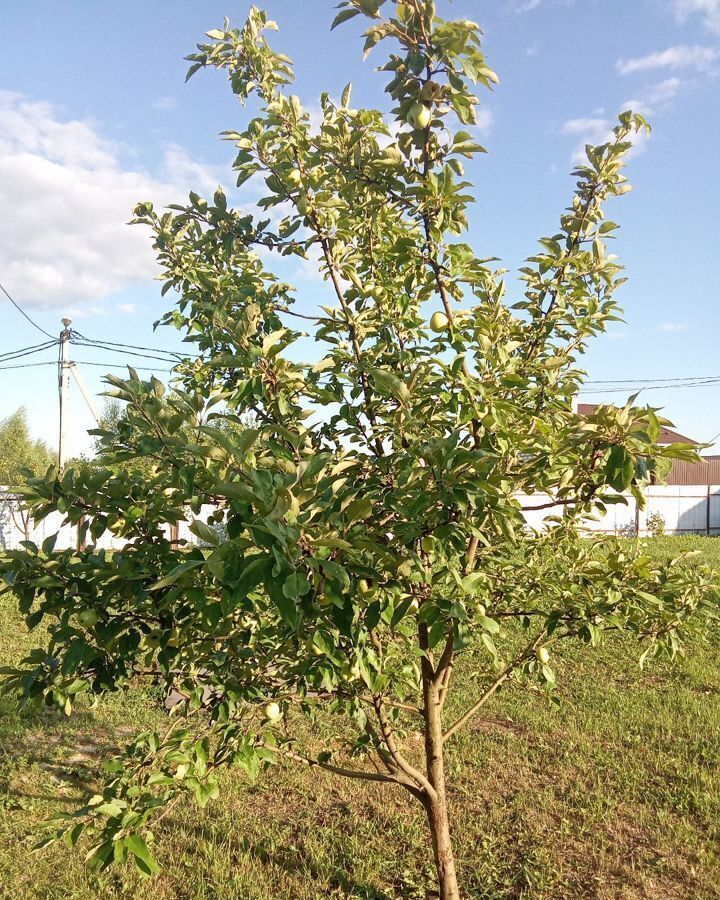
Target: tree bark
{"x": 436, "y": 806}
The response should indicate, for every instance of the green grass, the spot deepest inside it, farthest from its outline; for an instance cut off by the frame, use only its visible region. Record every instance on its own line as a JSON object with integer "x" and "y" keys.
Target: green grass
{"x": 614, "y": 794}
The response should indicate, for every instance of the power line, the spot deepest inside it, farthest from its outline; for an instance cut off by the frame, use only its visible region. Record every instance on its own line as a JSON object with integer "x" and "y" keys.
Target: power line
{"x": 85, "y": 362}
{"x": 652, "y": 387}
{"x": 23, "y": 313}
{"x": 25, "y": 351}
{"x": 50, "y": 362}
{"x": 97, "y": 346}
{"x": 53, "y": 362}
{"x": 649, "y": 380}
{"x": 108, "y": 344}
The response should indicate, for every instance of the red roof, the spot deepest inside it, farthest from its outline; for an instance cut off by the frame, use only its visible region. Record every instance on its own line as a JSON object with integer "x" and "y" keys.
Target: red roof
{"x": 667, "y": 435}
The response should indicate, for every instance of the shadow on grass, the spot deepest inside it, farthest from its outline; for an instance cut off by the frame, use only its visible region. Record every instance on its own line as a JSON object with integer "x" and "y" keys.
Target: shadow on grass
{"x": 293, "y": 861}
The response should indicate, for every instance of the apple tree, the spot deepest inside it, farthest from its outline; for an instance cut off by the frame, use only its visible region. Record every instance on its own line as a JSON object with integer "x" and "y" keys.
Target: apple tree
{"x": 371, "y": 498}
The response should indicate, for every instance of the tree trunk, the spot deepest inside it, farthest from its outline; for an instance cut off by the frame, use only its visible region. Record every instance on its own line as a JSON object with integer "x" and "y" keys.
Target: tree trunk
{"x": 437, "y": 814}
{"x": 436, "y": 807}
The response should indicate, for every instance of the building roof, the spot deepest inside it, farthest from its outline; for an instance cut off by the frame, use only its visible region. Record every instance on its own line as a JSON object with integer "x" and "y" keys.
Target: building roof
{"x": 667, "y": 436}
{"x": 704, "y": 473}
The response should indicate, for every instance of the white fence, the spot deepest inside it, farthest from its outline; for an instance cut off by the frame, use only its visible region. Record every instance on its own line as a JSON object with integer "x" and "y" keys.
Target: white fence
{"x": 12, "y": 530}
{"x": 685, "y": 509}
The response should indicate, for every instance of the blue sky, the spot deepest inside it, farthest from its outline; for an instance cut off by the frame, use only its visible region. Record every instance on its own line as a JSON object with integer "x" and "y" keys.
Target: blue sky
{"x": 94, "y": 115}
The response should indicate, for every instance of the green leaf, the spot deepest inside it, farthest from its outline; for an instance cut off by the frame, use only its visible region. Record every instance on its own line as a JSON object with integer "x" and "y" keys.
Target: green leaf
{"x": 234, "y": 490}
{"x": 205, "y": 532}
{"x": 143, "y": 857}
{"x": 388, "y": 384}
{"x": 359, "y": 509}
{"x": 344, "y": 16}
{"x": 295, "y": 585}
{"x": 176, "y": 573}
{"x": 620, "y": 468}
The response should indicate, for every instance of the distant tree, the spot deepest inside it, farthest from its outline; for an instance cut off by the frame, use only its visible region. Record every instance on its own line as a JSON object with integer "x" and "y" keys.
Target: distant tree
{"x": 20, "y": 455}
{"x": 373, "y": 532}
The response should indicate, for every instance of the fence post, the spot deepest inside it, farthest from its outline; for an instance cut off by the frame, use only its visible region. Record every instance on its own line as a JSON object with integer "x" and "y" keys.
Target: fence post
{"x": 707, "y": 511}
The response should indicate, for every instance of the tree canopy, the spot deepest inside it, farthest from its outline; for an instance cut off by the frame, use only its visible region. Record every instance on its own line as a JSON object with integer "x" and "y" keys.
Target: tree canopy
{"x": 18, "y": 451}
{"x": 373, "y": 529}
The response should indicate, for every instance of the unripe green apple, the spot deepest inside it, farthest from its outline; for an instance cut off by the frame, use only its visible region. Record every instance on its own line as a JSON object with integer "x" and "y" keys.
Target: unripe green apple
{"x": 272, "y": 711}
{"x": 294, "y": 177}
{"x": 438, "y": 322}
{"x": 88, "y": 617}
{"x": 428, "y": 543}
{"x": 363, "y": 587}
{"x": 153, "y": 638}
{"x": 419, "y": 115}
{"x": 543, "y": 655}
{"x": 173, "y": 639}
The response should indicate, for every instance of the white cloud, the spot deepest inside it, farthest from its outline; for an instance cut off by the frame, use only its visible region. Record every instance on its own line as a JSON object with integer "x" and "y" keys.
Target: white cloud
{"x": 164, "y": 103}
{"x": 589, "y": 130}
{"x": 674, "y": 327}
{"x": 680, "y": 57}
{"x": 66, "y": 197}
{"x": 586, "y": 127}
{"x": 485, "y": 120}
{"x": 616, "y": 335}
{"x": 598, "y": 129}
{"x": 708, "y": 10}
{"x": 527, "y": 5}
{"x": 656, "y": 97}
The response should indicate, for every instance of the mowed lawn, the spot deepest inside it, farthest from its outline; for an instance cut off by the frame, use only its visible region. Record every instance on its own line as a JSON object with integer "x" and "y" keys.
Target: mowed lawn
{"x": 613, "y": 794}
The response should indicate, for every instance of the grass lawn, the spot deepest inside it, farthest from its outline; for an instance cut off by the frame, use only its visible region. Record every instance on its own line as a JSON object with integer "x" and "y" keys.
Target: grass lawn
{"x": 614, "y": 794}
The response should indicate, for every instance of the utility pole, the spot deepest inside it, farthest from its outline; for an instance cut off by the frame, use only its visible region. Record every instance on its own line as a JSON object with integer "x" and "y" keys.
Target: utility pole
{"x": 63, "y": 385}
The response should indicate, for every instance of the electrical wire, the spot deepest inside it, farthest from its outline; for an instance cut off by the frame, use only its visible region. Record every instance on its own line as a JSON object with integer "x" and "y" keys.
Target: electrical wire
{"x": 108, "y": 344}
{"x": 164, "y": 359}
{"x": 23, "y": 313}
{"x": 650, "y": 380}
{"x": 26, "y": 351}
{"x": 50, "y": 362}
{"x": 652, "y": 387}
{"x": 85, "y": 362}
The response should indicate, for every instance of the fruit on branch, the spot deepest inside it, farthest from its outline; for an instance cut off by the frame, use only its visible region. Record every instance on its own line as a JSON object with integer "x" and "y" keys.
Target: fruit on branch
{"x": 439, "y": 322}
{"x": 419, "y": 115}
{"x": 272, "y": 711}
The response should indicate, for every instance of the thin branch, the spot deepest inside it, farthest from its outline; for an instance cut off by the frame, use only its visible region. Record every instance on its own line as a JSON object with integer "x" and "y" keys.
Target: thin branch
{"x": 489, "y": 691}
{"x": 357, "y": 774}
{"x": 410, "y": 771}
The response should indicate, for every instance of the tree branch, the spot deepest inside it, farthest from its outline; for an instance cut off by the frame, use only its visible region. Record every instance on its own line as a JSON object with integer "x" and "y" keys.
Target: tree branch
{"x": 490, "y": 690}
